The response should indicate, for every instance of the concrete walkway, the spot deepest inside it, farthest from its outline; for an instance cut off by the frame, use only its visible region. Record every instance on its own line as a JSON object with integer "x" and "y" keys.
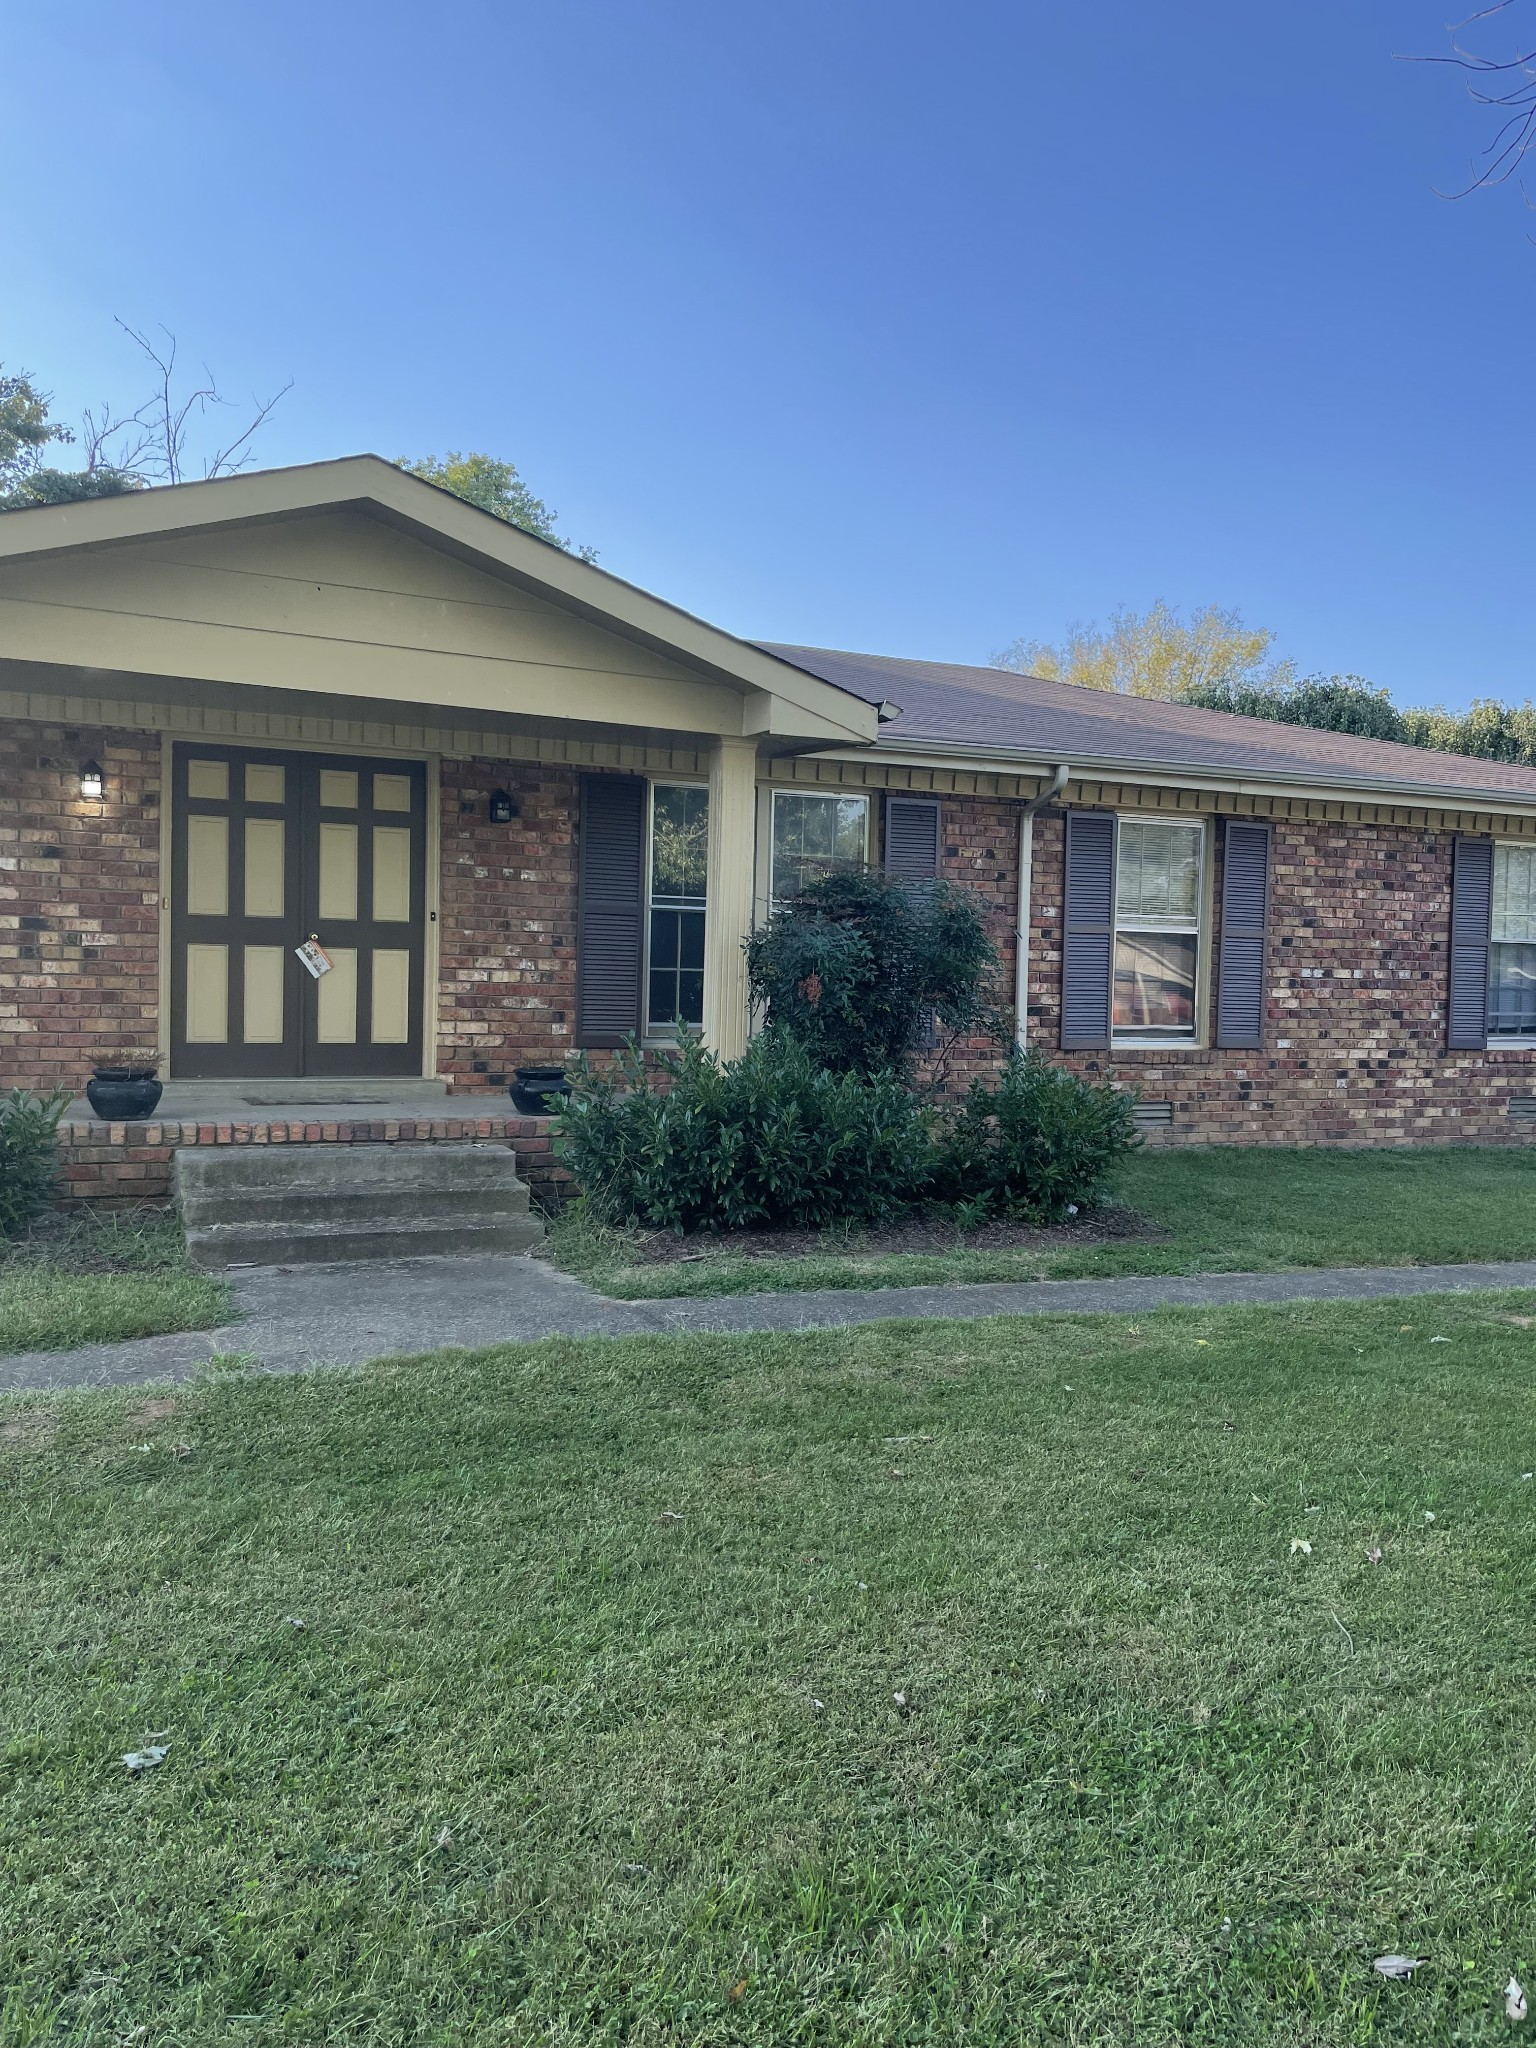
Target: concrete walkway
{"x": 296, "y": 1317}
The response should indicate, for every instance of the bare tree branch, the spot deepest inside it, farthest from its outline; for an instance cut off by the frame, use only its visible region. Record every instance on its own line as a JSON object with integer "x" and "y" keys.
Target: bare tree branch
{"x": 1515, "y": 135}
{"x": 166, "y": 421}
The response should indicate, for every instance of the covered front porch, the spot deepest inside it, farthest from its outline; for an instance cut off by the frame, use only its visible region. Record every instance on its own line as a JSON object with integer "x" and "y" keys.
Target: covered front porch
{"x": 312, "y": 777}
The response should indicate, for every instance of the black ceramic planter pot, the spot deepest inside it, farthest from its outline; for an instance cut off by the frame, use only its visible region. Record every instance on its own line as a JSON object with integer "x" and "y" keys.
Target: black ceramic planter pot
{"x": 540, "y": 1091}
{"x": 123, "y": 1095}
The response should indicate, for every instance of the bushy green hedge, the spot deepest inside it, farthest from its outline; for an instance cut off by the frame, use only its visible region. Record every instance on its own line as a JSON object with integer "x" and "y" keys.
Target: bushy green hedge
{"x": 29, "y": 1156}
{"x": 775, "y": 1139}
{"x": 865, "y": 972}
{"x": 1040, "y": 1141}
{"x": 771, "y": 1138}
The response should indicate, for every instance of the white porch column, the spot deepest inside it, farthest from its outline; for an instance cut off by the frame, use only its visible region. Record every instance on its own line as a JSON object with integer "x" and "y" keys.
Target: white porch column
{"x": 728, "y": 914}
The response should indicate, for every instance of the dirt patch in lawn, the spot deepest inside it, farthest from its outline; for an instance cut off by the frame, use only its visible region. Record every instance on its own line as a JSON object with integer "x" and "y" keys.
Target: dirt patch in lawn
{"x": 1108, "y": 1225}
{"x": 30, "y": 1425}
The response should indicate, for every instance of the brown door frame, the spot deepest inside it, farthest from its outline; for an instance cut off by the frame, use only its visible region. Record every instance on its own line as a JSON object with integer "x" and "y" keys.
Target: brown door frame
{"x": 299, "y": 1054}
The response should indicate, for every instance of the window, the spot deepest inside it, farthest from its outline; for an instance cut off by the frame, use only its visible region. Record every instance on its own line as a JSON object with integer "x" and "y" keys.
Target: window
{"x": 1158, "y": 892}
{"x": 815, "y": 835}
{"x": 679, "y": 845}
{"x": 1512, "y": 953}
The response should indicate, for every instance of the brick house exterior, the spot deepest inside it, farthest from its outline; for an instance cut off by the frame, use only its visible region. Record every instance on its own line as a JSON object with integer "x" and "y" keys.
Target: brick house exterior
{"x": 278, "y": 646}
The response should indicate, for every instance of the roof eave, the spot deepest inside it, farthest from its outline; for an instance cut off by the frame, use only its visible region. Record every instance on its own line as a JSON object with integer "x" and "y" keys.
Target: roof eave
{"x": 1090, "y": 767}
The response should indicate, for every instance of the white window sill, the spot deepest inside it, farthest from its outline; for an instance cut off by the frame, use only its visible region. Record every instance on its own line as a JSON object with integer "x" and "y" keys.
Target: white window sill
{"x": 1155, "y": 1045}
{"x": 1510, "y": 1044}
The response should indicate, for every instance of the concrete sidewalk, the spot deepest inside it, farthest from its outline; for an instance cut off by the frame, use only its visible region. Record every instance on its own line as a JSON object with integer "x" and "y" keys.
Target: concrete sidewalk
{"x": 298, "y": 1317}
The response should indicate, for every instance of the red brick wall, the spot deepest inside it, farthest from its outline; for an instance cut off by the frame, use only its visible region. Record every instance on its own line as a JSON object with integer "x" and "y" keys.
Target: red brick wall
{"x": 79, "y": 901}
{"x": 1355, "y": 1013}
{"x": 507, "y": 979}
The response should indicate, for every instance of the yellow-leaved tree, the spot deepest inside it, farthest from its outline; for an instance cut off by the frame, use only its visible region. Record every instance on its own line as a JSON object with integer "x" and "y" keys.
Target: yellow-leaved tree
{"x": 1156, "y": 653}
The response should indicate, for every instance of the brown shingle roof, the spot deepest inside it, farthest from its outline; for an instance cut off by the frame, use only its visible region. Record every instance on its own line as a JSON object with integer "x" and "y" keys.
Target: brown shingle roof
{"x": 989, "y": 710}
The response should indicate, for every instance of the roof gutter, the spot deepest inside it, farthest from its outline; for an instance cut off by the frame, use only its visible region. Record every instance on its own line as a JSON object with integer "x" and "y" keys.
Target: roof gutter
{"x": 1318, "y": 783}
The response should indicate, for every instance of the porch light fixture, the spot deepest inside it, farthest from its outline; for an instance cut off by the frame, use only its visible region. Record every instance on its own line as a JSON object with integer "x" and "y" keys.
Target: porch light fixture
{"x": 503, "y": 810}
{"x": 92, "y": 781}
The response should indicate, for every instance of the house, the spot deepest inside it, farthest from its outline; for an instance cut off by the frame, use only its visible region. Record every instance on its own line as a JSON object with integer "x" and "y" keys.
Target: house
{"x": 523, "y": 807}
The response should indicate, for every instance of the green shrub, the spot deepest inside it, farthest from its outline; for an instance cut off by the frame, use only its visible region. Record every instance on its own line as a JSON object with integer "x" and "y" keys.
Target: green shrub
{"x": 29, "y": 1155}
{"x": 863, "y": 971}
{"x": 772, "y": 1138}
{"x": 1039, "y": 1142}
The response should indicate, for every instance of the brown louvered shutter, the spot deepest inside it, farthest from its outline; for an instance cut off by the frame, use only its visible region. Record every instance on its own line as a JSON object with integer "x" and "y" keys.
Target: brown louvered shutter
{"x": 610, "y": 913}
{"x": 1088, "y": 930}
{"x": 911, "y": 838}
{"x": 1244, "y": 935}
{"x": 1466, "y": 1010}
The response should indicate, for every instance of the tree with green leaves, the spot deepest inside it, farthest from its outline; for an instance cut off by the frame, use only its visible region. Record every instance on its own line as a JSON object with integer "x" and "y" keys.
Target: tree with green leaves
{"x": 861, "y": 970}
{"x": 497, "y": 488}
{"x": 1329, "y": 703}
{"x": 155, "y": 444}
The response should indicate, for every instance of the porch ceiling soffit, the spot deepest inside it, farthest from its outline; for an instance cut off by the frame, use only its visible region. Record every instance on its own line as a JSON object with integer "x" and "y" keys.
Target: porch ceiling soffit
{"x": 353, "y": 579}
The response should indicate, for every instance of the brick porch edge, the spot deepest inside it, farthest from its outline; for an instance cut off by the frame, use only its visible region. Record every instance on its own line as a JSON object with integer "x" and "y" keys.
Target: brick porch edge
{"x": 116, "y": 1166}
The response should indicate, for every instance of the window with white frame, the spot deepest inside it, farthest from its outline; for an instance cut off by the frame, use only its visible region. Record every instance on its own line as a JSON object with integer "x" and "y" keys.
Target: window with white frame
{"x": 815, "y": 833}
{"x": 1159, "y": 890}
{"x": 679, "y": 840}
{"x": 1512, "y": 951}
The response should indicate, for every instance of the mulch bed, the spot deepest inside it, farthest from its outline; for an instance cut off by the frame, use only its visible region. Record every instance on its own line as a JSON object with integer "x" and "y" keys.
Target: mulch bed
{"x": 1108, "y": 1225}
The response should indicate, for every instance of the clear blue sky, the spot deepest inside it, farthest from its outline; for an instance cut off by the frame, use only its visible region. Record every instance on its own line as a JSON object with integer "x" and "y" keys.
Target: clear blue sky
{"x": 900, "y": 327}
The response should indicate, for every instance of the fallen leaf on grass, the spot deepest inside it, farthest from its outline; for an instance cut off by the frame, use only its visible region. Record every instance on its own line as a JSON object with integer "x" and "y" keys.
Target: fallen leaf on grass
{"x": 181, "y": 1450}
{"x": 1429, "y": 1514}
{"x": 1397, "y": 1966}
{"x": 1439, "y": 1340}
{"x": 900, "y": 1701}
{"x": 443, "y": 1839}
{"x": 1514, "y": 2000}
{"x": 295, "y": 1621}
{"x": 1374, "y": 1553}
{"x": 669, "y": 1515}
{"x": 738, "y": 1991}
{"x": 146, "y": 1759}
{"x": 1300, "y": 1543}
{"x": 895, "y": 1473}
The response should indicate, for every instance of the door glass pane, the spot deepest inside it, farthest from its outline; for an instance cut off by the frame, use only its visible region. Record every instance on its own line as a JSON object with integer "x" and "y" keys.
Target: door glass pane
{"x": 208, "y": 780}
{"x": 263, "y": 782}
{"x": 1159, "y": 873}
{"x": 338, "y": 872}
{"x": 391, "y": 873}
{"x": 207, "y": 995}
{"x": 391, "y": 997}
{"x": 264, "y": 994}
{"x": 208, "y": 865}
{"x": 391, "y": 792}
{"x": 264, "y": 867}
{"x": 338, "y": 789}
{"x": 336, "y": 1019}
{"x": 1155, "y": 983}
{"x": 815, "y": 835}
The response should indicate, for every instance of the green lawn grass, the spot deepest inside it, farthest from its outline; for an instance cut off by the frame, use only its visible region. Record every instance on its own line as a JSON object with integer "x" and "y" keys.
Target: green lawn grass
{"x": 1219, "y": 1210}
{"x": 92, "y": 1280}
{"x": 549, "y": 1695}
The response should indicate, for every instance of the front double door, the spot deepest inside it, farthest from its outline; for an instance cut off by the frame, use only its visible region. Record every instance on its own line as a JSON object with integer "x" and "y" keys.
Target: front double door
{"x": 268, "y": 850}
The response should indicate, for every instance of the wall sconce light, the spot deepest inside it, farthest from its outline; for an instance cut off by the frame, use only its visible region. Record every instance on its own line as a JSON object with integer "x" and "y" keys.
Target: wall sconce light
{"x": 92, "y": 781}
{"x": 503, "y": 810}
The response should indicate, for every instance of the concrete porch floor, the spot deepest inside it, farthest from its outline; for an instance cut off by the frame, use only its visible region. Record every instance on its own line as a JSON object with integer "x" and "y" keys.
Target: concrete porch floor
{"x": 383, "y": 1098}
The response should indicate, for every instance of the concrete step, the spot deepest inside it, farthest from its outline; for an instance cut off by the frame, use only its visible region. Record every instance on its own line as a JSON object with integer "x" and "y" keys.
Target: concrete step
{"x": 338, "y": 1168}
{"x": 315, "y": 1205}
{"x": 305, "y": 1204}
{"x": 217, "y": 1245}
